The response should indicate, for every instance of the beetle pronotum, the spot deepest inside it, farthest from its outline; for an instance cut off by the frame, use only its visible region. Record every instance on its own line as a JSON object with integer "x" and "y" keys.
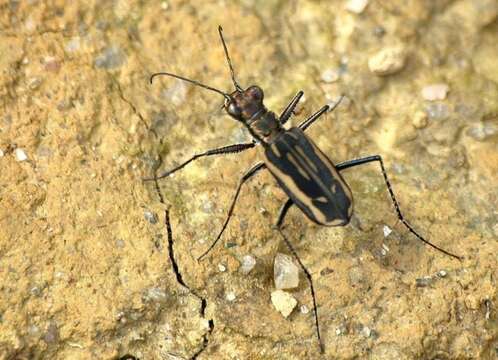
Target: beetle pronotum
{"x": 311, "y": 181}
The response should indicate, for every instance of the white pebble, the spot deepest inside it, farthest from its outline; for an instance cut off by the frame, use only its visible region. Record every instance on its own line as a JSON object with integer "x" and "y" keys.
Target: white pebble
{"x": 231, "y": 296}
{"x": 366, "y": 331}
{"x": 304, "y": 309}
{"x": 356, "y": 6}
{"x": 1, "y": 153}
{"x": 442, "y": 273}
{"x": 222, "y": 268}
{"x": 248, "y": 263}
{"x": 387, "y": 230}
{"x": 283, "y": 302}
{"x": 330, "y": 75}
{"x": 387, "y": 61}
{"x": 20, "y": 154}
{"x": 285, "y": 272}
{"x": 435, "y": 92}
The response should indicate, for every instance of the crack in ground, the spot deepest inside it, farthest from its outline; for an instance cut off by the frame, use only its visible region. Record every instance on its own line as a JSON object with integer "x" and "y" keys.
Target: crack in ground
{"x": 178, "y": 275}
{"x": 132, "y": 106}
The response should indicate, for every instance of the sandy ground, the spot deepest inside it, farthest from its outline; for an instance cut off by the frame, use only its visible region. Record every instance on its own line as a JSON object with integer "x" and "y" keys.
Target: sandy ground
{"x": 85, "y": 266}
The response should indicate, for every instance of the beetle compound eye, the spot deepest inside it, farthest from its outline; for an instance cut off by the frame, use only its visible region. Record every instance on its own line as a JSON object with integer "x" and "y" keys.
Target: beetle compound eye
{"x": 233, "y": 110}
{"x": 255, "y": 92}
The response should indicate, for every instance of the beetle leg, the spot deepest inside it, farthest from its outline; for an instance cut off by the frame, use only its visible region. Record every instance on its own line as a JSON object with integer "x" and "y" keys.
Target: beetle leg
{"x": 230, "y": 149}
{"x": 306, "y": 123}
{"x": 252, "y": 171}
{"x": 289, "y": 109}
{"x": 283, "y": 211}
{"x": 351, "y": 163}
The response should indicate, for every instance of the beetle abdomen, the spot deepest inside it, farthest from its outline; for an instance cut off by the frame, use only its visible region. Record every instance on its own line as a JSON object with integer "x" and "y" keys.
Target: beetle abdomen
{"x": 309, "y": 178}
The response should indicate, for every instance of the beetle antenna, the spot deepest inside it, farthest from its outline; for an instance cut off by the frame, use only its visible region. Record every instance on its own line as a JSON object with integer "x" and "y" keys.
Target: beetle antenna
{"x": 197, "y": 83}
{"x": 232, "y": 73}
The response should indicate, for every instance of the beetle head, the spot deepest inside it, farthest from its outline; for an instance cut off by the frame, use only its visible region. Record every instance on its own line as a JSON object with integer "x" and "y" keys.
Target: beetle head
{"x": 246, "y": 104}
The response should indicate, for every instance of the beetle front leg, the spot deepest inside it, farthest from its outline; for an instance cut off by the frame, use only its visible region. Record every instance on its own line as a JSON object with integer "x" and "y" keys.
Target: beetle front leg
{"x": 289, "y": 109}
{"x": 306, "y": 123}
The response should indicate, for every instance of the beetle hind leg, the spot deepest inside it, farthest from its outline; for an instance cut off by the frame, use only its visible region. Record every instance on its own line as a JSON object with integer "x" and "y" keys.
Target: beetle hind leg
{"x": 283, "y": 212}
{"x": 351, "y": 163}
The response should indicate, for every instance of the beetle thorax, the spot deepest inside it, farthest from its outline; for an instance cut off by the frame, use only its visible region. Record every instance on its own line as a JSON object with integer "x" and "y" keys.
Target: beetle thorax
{"x": 266, "y": 126}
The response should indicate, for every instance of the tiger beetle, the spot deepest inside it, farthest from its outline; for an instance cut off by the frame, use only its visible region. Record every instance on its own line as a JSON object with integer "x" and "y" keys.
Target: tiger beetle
{"x": 311, "y": 181}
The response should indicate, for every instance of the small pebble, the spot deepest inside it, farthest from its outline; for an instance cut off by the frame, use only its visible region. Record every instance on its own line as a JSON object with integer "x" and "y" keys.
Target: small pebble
{"x": 435, "y": 92}
{"x": 51, "y": 64}
{"x": 423, "y": 282}
{"x": 438, "y": 111}
{"x": 73, "y": 44}
{"x": 442, "y": 273}
{"x": 420, "y": 120}
{"x": 110, "y": 58}
{"x": 283, "y": 302}
{"x": 248, "y": 263}
{"x": 1, "y": 153}
{"x": 330, "y": 75}
{"x": 35, "y": 291}
{"x": 20, "y": 154}
{"x": 150, "y": 217}
{"x": 231, "y": 296}
{"x": 482, "y": 132}
{"x": 222, "y": 268}
{"x": 34, "y": 83}
{"x": 285, "y": 272}
{"x": 487, "y": 303}
{"x": 366, "y": 331}
{"x": 387, "y": 231}
{"x": 356, "y": 6}
{"x": 387, "y": 61}
{"x": 156, "y": 294}
{"x": 52, "y": 334}
{"x": 385, "y": 249}
{"x": 164, "y": 5}
{"x": 304, "y": 309}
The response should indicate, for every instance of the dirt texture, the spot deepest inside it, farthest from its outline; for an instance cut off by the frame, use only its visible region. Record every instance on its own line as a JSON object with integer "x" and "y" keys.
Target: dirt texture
{"x": 86, "y": 267}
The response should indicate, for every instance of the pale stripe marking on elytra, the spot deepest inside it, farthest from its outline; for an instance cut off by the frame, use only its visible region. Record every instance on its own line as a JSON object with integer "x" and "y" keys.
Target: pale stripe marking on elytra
{"x": 337, "y": 176}
{"x": 310, "y": 163}
{"x": 295, "y": 162}
{"x": 293, "y": 188}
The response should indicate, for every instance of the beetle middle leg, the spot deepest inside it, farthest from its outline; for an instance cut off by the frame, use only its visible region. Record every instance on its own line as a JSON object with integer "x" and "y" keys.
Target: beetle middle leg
{"x": 351, "y": 163}
{"x": 283, "y": 212}
{"x": 250, "y": 173}
{"x": 230, "y": 149}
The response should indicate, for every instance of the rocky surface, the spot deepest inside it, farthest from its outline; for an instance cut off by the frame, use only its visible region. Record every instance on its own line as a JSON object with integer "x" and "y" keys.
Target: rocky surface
{"x": 85, "y": 263}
